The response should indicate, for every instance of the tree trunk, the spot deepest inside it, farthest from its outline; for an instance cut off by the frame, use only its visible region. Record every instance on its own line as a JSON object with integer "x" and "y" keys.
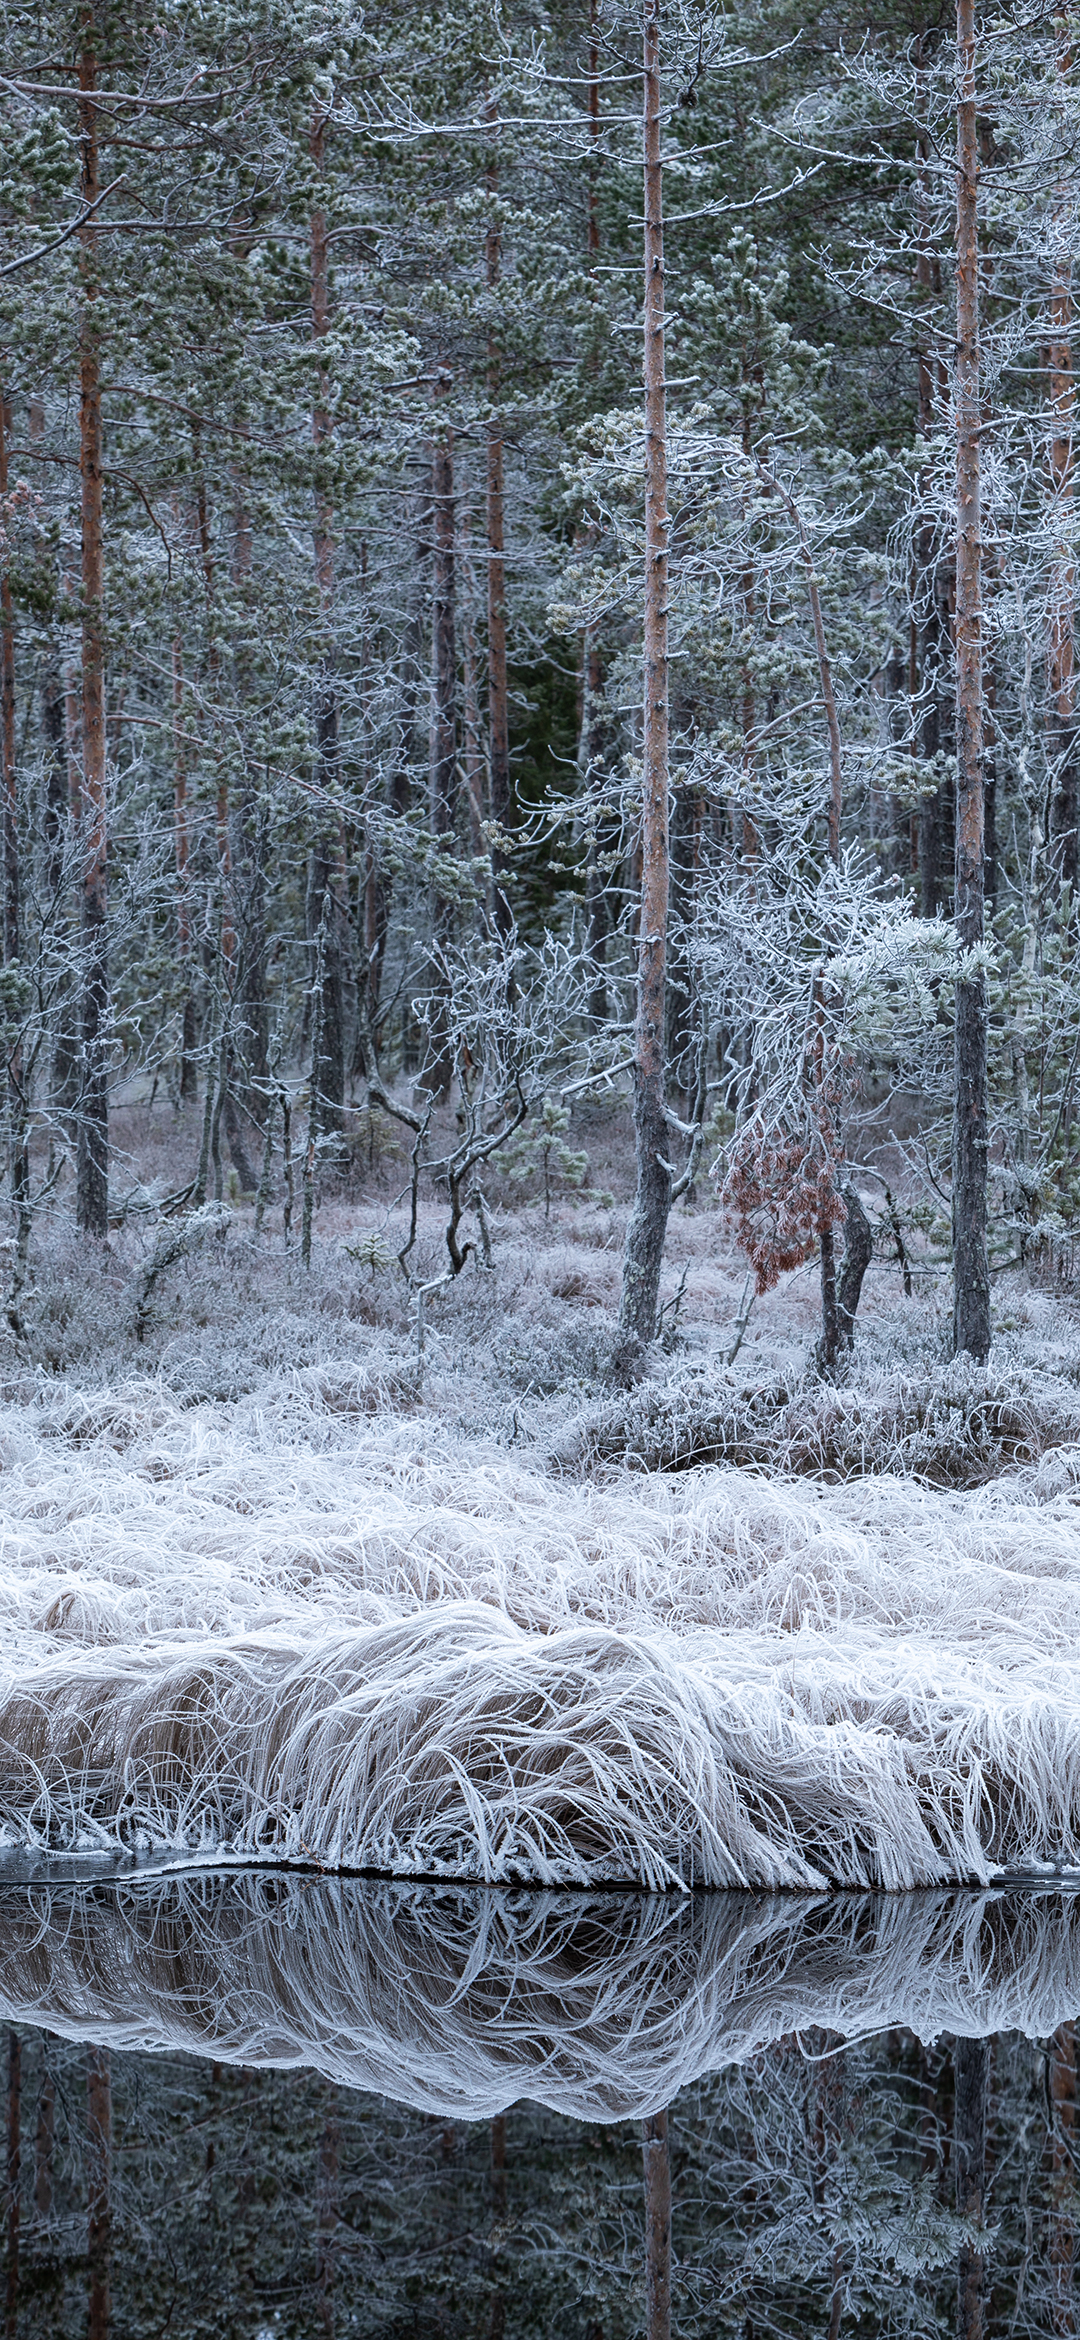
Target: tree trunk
{"x": 929, "y": 623}
{"x": 99, "y": 2191}
{"x": 591, "y": 752}
{"x": 188, "y": 1081}
{"x": 498, "y": 2168}
{"x": 657, "y": 2227}
{"x": 498, "y": 684}
{"x": 14, "y": 2183}
{"x": 858, "y": 1251}
{"x": 1062, "y": 739}
{"x": 652, "y": 1200}
{"x": 971, "y": 2068}
{"x": 443, "y": 736}
{"x": 7, "y": 728}
{"x": 328, "y": 2205}
{"x": 971, "y": 1274}
{"x": 328, "y": 896}
{"x": 1063, "y": 2177}
{"x": 325, "y": 917}
{"x": 475, "y": 769}
{"x": 92, "y": 1179}
{"x": 45, "y": 2134}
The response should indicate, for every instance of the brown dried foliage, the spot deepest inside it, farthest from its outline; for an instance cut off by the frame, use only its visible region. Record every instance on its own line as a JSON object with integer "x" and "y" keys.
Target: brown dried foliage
{"x": 780, "y": 1197}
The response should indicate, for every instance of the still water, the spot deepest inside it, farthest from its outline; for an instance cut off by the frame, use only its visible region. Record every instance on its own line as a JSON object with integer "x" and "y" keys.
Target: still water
{"x": 262, "y": 2105}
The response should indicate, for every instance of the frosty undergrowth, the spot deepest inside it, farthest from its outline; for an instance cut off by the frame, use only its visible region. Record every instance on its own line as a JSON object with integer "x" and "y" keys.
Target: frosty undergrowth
{"x": 287, "y": 1631}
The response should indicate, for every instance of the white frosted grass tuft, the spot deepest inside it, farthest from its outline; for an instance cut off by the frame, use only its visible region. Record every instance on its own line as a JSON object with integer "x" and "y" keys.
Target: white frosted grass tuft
{"x": 462, "y": 2001}
{"x": 287, "y": 1631}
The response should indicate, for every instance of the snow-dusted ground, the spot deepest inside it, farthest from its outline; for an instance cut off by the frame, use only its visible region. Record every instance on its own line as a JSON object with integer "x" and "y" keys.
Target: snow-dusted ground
{"x": 280, "y": 1629}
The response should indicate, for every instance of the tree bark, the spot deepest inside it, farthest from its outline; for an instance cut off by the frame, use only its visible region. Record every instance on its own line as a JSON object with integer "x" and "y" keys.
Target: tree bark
{"x": 858, "y": 1251}
{"x": 1063, "y": 2177}
{"x": 1062, "y": 742}
{"x": 92, "y": 1153}
{"x": 14, "y": 2183}
{"x": 99, "y": 2189}
{"x": 188, "y": 1081}
{"x": 328, "y": 896}
{"x": 971, "y": 2068}
{"x": 652, "y": 1201}
{"x": 45, "y": 2134}
{"x": 443, "y": 737}
{"x": 657, "y": 2227}
{"x": 971, "y": 1274}
{"x": 930, "y": 631}
{"x": 328, "y": 2209}
{"x": 7, "y": 728}
{"x": 498, "y": 681}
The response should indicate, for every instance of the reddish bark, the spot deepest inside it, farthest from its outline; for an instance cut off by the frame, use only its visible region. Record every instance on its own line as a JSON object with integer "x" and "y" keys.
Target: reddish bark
{"x": 971, "y": 2070}
{"x": 498, "y": 683}
{"x": 652, "y": 1200}
{"x": 93, "y": 1121}
{"x": 1062, "y": 743}
{"x": 657, "y": 2227}
{"x": 8, "y": 780}
{"x": 971, "y": 1276}
{"x": 1063, "y": 2176}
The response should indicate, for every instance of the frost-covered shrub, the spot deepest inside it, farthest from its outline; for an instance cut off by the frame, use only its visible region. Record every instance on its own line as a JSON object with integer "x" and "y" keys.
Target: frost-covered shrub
{"x": 953, "y": 1425}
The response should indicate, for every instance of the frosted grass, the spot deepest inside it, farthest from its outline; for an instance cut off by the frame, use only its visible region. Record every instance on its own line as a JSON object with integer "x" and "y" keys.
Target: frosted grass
{"x": 460, "y": 2002}
{"x": 284, "y": 1631}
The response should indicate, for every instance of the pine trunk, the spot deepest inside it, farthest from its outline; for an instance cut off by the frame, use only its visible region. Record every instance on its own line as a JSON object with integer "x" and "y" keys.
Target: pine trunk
{"x": 971, "y": 1276}
{"x": 328, "y": 894}
{"x": 1063, "y": 2142}
{"x": 99, "y": 2189}
{"x": 652, "y": 1200}
{"x": 1062, "y": 741}
{"x": 7, "y": 727}
{"x": 14, "y": 2183}
{"x": 498, "y": 685}
{"x": 188, "y": 1081}
{"x": 329, "y": 2187}
{"x": 45, "y": 2135}
{"x": 92, "y": 1176}
{"x": 443, "y": 737}
{"x": 971, "y": 2068}
{"x": 657, "y": 2227}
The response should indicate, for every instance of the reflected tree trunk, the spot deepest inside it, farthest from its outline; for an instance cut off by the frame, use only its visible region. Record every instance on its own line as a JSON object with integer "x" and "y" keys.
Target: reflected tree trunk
{"x": 971, "y": 2074}
{"x": 1063, "y": 2176}
{"x": 45, "y": 2135}
{"x": 99, "y": 2189}
{"x": 657, "y": 2154}
{"x": 329, "y": 2172}
{"x": 14, "y": 2184}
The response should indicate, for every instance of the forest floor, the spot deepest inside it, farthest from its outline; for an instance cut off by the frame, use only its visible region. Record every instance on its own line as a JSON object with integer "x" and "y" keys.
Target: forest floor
{"x": 269, "y": 1592}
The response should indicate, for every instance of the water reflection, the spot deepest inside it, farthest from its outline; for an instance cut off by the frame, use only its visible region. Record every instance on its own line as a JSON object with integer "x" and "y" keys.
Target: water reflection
{"x": 262, "y": 2104}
